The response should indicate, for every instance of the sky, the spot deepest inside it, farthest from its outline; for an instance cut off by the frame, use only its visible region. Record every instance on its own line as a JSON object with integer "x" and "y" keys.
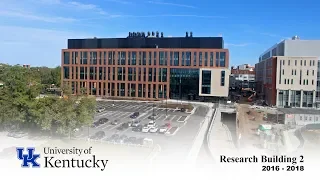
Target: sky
{"x": 34, "y": 31}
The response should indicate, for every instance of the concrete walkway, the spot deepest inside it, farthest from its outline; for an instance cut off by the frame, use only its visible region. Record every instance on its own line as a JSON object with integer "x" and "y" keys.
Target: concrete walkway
{"x": 220, "y": 139}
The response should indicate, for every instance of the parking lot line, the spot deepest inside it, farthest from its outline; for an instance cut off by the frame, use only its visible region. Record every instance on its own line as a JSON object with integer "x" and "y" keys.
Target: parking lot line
{"x": 143, "y": 117}
{"x": 122, "y": 132}
{"x": 128, "y": 107}
{"x": 182, "y": 119}
{"x": 172, "y": 117}
{"x": 105, "y": 127}
{"x": 176, "y": 118}
{"x": 162, "y": 116}
{"x": 117, "y": 113}
{"x": 114, "y": 127}
{"x": 168, "y": 117}
{"x": 179, "y": 118}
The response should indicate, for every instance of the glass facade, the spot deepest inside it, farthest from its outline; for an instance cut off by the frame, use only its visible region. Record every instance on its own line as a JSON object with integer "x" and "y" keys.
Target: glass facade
{"x": 183, "y": 83}
{"x": 206, "y": 82}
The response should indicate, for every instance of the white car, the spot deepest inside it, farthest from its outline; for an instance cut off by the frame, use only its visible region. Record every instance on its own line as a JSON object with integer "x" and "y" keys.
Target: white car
{"x": 145, "y": 129}
{"x": 154, "y": 129}
{"x": 163, "y": 129}
{"x": 151, "y": 124}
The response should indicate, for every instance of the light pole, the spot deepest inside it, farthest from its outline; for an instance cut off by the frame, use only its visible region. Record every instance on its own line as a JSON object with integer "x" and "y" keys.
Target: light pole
{"x": 166, "y": 106}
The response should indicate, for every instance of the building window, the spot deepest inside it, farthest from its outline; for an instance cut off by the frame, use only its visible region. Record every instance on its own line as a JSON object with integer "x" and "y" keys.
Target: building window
{"x": 307, "y": 81}
{"x": 292, "y": 72}
{"x": 176, "y": 58}
{"x": 223, "y": 74}
{"x": 206, "y": 59}
{"x": 188, "y": 58}
{"x": 194, "y": 58}
{"x": 66, "y": 58}
{"x": 295, "y": 72}
{"x": 283, "y": 62}
{"x": 182, "y": 58}
{"x": 211, "y": 59}
{"x": 154, "y": 58}
{"x": 217, "y": 59}
{"x": 200, "y": 58}
{"x": 282, "y": 71}
{"x": 295, "y": 62}
{"x": 291, "y": 81}
{"x": 312, "y": 72}
{"x": 307, "y": 72}
{"x": 288, "y": 62}
{"x": 310, "y": 62}
{"x": 305, "y": 62}
{"x": 313, "y": 62}
{"x": 285, "y": 81}
{"x": 222, "y": 59}
{"x": 206, "y": 82}
{"x": 312, "y": 82}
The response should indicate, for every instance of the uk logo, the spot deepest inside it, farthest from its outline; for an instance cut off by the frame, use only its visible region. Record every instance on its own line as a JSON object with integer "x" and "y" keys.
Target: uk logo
{"x": 30, "y": 158}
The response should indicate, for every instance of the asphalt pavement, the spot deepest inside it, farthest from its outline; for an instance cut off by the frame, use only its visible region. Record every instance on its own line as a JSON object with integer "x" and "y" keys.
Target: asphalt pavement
{"x": 173, "y": 148}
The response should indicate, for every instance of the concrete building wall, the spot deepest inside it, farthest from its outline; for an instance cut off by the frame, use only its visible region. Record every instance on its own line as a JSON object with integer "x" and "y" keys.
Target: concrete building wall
{"x": 216, "y": 89}
{"x": 296, "y": 73}
{"x": 302, "y": 48}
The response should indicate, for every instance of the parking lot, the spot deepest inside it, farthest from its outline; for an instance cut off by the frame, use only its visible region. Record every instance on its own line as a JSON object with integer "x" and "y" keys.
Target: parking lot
{"x": 176, "y": 140}
{"x": 121, "y": 112}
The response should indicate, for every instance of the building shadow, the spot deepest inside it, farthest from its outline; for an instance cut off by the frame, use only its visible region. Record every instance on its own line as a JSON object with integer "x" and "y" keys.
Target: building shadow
{"x": 229, "y": 120}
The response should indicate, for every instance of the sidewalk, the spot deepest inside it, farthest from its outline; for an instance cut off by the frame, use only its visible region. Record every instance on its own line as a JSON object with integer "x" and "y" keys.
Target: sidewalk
{"x": 220, "y": 139}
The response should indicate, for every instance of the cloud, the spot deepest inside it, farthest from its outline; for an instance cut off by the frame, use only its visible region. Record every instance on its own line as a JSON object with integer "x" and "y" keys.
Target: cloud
{"x": 238, "y": 45}
{"x": 76, "y": 5}
{"x": 119, "y": 1}
{"x": 171, "y": 4}
{"x": 163, "y": 15}
{"x": 82, "y": 6}
{"x": 35, "y": 46}
{"x": 33, "y": 16}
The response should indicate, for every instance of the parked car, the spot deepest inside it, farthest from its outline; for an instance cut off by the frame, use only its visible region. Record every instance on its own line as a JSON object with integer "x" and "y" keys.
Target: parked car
{"x": 151, "y": 124}
{"x": 163, "y": 129}
{"x": 135, "y": 115}
{"x": 154, "y": 129}
{"x": 103, "y": 120}
{"x": 137, "y": 129}
{"x": 95, "y": 124}
{"x": 123, "y": 126}
{"x": 115, "y": 122}
{"x": 146, "y": 129}
{"x": 99, "y": 110}
{"x": 182, "y": 110}
{"x": 136, "y": 123}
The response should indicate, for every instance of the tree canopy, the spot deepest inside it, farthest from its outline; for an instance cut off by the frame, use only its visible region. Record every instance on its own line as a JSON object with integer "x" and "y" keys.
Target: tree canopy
{"x": 20, "y": 105}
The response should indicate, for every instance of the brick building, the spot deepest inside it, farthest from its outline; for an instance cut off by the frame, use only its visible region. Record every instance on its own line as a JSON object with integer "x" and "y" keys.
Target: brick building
{"x": 147, "y": 66}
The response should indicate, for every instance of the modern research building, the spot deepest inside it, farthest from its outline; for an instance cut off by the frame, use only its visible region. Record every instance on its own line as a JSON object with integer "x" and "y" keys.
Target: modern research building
{"x": 288, "y": 74}
{"x": 147, "y": 66}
